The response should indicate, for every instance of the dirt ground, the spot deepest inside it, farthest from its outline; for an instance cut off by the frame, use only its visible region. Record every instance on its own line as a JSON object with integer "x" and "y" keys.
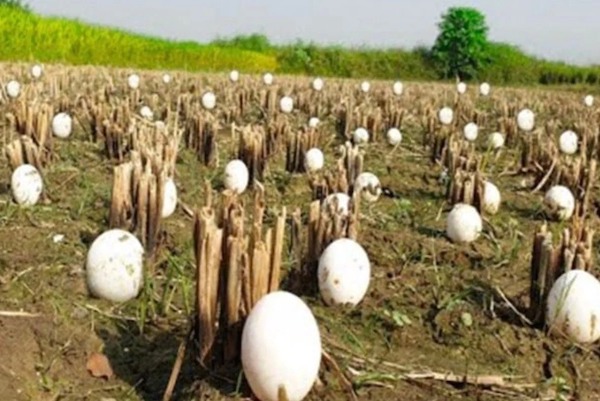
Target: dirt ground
{"x": 433, "y": 308}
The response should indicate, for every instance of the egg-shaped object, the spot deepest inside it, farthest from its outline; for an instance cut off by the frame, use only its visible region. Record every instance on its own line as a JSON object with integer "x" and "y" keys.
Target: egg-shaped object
{"x": 114, "y": 266}
{"x": 365, "y": 86}
{"x": 568, "y": 142}
{"x": 559, "y": 203}
{"x": 169, "y": 198}
{"x": 166, "y": 78}
{"x": 360, "y": 135}
{"x": 446, "y": 115}
{"x": 314, "y": 160}
{"x": 398, "y": 88}
{"x": 588, "y": 100}
{"x": 491, "y": 198}
{"x": 344, "y": 273}
{"x": 463, "y": 224}
{"x": 281, "y": 348}
{"x": 62, "y": 125}
{"x": 573, "y": 307}
{"x": 236, "y": 176}
{"x": 209, "y": 100}
{"x": 368, "y": 186}
{"x": 484, "y": 89}
{"x": 394, "y": 136}
{"x": 36, "y": 71}
{"x": 160, "y": 125}
{"x": 470, "y": 132}
{"x": 461, "y": 88}
{"x": 234, "y": 76}
{"x": 26, "y": 185}
{"x": 13, "y": 89}
{"x": 526, "y": 120}
{"x": 133, "y": 81}
{"x": 146, "y": 112}
{"x": 496, "y": 140}
{"x": 268, "y": 78}
{"x": 341, "y": 200}
{"x": 286, "y": 104}
{"x": 318, "y": 84}
{"x": 314, "y": 122}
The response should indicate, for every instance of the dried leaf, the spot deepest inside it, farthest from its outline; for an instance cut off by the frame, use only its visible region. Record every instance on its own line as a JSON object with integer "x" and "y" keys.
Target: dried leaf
{"x": 99, "y": 366}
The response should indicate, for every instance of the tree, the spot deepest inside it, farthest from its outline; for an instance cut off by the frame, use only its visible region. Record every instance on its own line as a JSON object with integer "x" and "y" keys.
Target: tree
{"x": 461, "y": 47}
{"x": 18, "y": 4}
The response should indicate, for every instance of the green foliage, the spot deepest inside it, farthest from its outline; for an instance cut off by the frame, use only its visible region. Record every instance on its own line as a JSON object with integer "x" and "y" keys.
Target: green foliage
{"x": 16, "y": 4}
{"x": 461, "y": 47}
{"x": 255, "y": 42}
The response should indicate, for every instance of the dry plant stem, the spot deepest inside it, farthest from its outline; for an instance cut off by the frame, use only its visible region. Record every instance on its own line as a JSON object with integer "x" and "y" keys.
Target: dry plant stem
{"x": 168, "y": 394}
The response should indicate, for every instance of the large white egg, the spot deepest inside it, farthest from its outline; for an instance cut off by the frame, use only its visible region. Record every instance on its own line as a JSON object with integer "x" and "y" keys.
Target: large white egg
{"x": 62, "y": 125}
{"x": 526, "y": 120}
{"x": 559, "y": 202}
{"x": 26, "y": 185}
{"x": 236, "y": 176}
{"x": 368, "y": 186}
{"x": 133, "y": 81}
{"x": 470, "y": 131}
{"x": 146, "y": 112}
{"x": 114, "y": 266}
{"x": 268, "y": 78}
{"x": 169, "y": 198}
{"x": 573, "y": 307}
{"x": 13, "y": 89}
{"x": 491, "y": 198}
{"x": 360, "y": 135}
{"x": 234, "y": 76}
{"x": 314, "y": 122}
{"x": 314, "y": 160}
{"x": 446, "y": 115}
{"x": 343, "y": 203}
{"x": 496, "y": 140}
{"x": 286, "y": 104}
{"x": 394, "y": 136}
{"x": 463, "y": 223}
{"x": 166, "y": 78}
{"x": 344, "y": 272}
{"x": 568, "y": 142}
{"x": 281, "y": 347}
{"x": 365, "y": 86}
{"x": 461, "y": 87}
{"x": 398, "y": 88}
{"x": 209, "y": 100}
{"x": 484, "y": 89}
{"x": 317, "y": 84}
{"x": 36, "y": 71}
{"x": 588, "y": 100}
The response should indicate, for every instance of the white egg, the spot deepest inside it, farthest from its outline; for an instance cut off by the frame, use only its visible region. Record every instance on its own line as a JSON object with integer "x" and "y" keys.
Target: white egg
{"x": 365, "y": 86}
{"x": 281, "y": 347}
{"x": 209, "y": 100}
{"x": 36, "y": 71}
{"x": 491, "y": 198}
{"x": 463, "y": 224}
{"x": 268, "y": 78}
{"x": 461, "y": 87}
{"x": 368, "y": 185}
{"x": 286, "y": 104}
{"x": 484, "y": 89}
{"x": 26, "y": 185}
{"x": 343, "y": 203}
{"x": 62, "y": 125}
{"x": 344, "y": 273}
{"x": 588, "y": 100}
{"x": 234, "y": 76}
{"x": 526, "y": 120}
{"x": 470, "y": 132}
{"x": 236, "y": 176}
{"x": 317, "y": 84}
{"x": 559, "y": 202}
{"x": 146, "y": 112}
{"x": 398, "y": 88}
{"x": 114, "y": 266}
{"x": 496, "y": 140}
{"x": 314, "y": 160}
{"x": 169, "y": 198}
{"x": 573, "y": 307}
{"x": 568, "y": 142}
{"x": 13, "y": 89}
{"x": 166, "y": 78}
{"x": 446, "y": 115}
{"x": 360, "y": 135}
{"x": 314, "y": 122}
{"x": 133, "y": 81}
{"x": 394, "y": 136}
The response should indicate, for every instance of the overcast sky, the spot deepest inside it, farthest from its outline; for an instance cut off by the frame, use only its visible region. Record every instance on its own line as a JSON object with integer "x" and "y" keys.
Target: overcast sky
{"x": 553, "y": 29}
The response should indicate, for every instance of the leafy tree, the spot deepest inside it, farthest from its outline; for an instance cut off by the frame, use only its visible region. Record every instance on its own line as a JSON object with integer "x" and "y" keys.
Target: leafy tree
{"x": 461, "y": 47}
{"x": 19, "y": 4}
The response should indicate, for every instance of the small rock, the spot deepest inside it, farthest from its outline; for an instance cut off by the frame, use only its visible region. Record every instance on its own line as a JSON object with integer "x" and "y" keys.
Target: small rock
{"x": 467, "y": 319}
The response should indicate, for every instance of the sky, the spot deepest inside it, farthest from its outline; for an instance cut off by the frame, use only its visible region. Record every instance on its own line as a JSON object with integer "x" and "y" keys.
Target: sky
{"x": 552, "y": 29}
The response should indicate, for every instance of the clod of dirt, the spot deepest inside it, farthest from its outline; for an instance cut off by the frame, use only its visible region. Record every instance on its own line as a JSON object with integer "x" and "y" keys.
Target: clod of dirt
{"x": 99, "y": 366}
